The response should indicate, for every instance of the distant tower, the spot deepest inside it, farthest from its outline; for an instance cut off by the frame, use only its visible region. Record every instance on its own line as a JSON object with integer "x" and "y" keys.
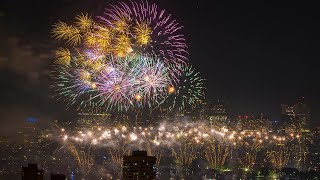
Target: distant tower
{"x": 31, "y": 140}
{"x": 139, "y": 166}
{"x": 32, "y": 172}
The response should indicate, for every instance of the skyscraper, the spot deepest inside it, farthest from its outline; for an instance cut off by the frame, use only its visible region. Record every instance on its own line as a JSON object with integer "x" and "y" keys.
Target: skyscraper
{"x": 139, "y": 166}
{"x": 299, "y": 112}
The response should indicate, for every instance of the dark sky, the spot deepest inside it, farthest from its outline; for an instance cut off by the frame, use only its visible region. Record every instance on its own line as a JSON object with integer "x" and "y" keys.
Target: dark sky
{"x": 255, "y": 55}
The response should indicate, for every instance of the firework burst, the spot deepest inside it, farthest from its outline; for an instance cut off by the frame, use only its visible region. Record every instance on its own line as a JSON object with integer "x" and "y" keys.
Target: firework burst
{"x": 126, "y": 61}
{"x": 150, "y": 30}
{"x": 188, "y": 93}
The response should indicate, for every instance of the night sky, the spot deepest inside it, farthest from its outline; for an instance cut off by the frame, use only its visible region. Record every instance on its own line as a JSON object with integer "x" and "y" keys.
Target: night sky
{"x": 254, "y": 55}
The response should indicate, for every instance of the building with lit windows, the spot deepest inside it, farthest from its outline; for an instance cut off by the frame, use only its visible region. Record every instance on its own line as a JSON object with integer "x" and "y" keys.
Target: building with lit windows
{"x": 217, "y": 113}
{"x": 314, "y": 150}
{"x": 87, "y": 120}
{"x": 139, "y": 166}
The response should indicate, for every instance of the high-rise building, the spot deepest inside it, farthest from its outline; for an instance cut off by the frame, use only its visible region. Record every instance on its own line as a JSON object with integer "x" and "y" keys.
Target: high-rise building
{"x": 299, "y": 112}
{"x": 32, "y": 172}
{"x": 139, "y": 166}
{"x": 296, "y": 119}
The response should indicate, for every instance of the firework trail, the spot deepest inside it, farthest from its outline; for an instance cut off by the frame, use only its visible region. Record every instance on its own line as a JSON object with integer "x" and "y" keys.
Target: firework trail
{"x": 83, "y": 157}
{"x": 216, "y": 153}
{"x": 248, "y": 152}
{"x": 185, "y": 152}
{"x": 279, "y": 157}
